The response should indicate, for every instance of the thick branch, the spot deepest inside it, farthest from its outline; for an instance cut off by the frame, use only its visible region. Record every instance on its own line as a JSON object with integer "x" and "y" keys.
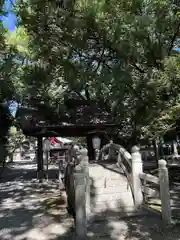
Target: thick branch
{"x": 79, "y": 94}
{"x": 174, "y": 39}
{"x": 100, "y": 60}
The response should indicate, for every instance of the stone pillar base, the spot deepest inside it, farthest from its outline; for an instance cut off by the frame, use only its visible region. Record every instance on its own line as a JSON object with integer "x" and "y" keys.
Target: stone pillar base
{"x": 40, "y": 175}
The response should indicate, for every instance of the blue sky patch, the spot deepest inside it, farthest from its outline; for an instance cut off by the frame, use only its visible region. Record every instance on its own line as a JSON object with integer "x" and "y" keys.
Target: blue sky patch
{"x": 10, "y": 19}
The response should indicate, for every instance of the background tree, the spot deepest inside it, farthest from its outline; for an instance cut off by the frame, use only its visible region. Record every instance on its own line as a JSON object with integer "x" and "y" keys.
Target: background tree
{"x": 125, "y": 50}
{"x": 6, "y": 86}
{"x": 12, "y": 54}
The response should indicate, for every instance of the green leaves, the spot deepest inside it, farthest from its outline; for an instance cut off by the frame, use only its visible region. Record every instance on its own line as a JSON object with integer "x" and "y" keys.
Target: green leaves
{"x": 18, "y": 39}
{"x": 123, "y": 49}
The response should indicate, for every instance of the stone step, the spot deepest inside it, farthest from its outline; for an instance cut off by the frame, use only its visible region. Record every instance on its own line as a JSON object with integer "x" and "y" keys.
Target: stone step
{"x": 115, "y": 204}
{"x": 111, "y": 215}
{"x": 109, "y": 190}
{"x": 99, "y": 171}
{"x": 103, "y": 182}
{"x": 109, "y": 174}
{"x": 112, "y": 197}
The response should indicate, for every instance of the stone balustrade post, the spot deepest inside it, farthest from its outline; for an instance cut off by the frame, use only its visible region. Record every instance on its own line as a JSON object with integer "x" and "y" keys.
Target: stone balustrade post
{"x": 110, "y": 153}
{"x": 164, "y": 191}
{"x": 82, "y": 195}
{"x": 80, "y": 202}
{"x": 137, "y": 169}
{"x": 17, "y": 155}
{"x": 85, "y": 164}
{"x": 175, "y": 151}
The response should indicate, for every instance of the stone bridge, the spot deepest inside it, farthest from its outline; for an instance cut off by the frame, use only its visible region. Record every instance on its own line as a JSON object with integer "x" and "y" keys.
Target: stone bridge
{"x": 109, "y": 190}
{"x": 113, "y": 188}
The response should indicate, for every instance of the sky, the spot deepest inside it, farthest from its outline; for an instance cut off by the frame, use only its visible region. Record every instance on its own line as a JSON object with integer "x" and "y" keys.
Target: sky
{"x": 9, "y": 20}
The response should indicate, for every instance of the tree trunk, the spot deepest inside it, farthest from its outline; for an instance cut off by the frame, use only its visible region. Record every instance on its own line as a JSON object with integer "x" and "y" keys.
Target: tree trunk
{"x": 40, "y": 162}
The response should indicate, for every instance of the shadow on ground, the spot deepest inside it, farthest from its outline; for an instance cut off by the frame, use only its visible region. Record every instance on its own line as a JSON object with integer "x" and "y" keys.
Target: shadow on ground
{"x": 30, "y": 210}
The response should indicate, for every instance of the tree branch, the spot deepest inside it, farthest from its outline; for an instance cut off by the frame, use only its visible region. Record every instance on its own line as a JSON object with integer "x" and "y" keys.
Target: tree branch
{"x": 173, "y": 39}
{"x": 116, "y": 51}
{"x": 79, "y": 94}
{"x": 136, "y": 67}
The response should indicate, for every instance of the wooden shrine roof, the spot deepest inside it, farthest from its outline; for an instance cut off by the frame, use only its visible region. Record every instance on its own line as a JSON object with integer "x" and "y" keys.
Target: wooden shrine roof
{"x": 67, "y": 130}
{"x": 77, "y": 118}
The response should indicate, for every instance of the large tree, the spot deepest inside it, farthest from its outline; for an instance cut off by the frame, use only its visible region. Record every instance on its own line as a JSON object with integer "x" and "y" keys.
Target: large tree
{"x": 6, "y": 88}
{"x": 12, "y": 56}
{"x": 125, "y": 50}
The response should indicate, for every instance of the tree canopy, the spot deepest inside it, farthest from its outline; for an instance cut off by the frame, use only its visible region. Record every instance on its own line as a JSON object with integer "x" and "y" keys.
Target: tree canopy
{"x": 124, "y": 50}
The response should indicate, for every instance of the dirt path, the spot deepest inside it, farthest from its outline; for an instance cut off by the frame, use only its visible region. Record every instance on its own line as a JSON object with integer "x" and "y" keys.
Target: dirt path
{"x": 30, "y": 210}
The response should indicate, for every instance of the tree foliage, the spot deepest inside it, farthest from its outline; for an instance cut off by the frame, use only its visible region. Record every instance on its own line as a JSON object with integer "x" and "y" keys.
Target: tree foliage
{"x": 12, "y": 52}
{"x": 18, "y": 39}
{"x": 15, "y": 139}
{"x": 125, "y": 50}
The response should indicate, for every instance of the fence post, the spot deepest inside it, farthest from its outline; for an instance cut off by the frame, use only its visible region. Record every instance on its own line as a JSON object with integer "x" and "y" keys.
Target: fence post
{"x": 110, "y": 153}
{"x": 17, "y": 155}
{"x": 137, "y": 168}
{"x": 85, "y": 163}
{"x": 82, "y": 195}
{"x": 175, "y": 151}
{"x": 164, "y": 191}
{"x": 80, "y": 202}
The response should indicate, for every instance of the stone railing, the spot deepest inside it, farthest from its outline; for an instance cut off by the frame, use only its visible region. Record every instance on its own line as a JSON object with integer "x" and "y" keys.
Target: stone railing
{"x": 78, "y": 192}
{"x": 126, "y": 162}
{"x": 140, "y": 182}
{"x": 158, "y": 188}
{"x": 77, "y": 183}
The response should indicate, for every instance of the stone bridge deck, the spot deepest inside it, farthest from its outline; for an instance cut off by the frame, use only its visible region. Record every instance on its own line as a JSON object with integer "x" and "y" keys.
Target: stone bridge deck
{"x": 109, "y": 190}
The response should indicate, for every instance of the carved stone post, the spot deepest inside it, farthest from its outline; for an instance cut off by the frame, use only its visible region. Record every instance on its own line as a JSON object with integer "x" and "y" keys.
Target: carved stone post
{"x": 80, "y": 202}
{"x": 85, "y": 163}
{"x": 110, "y": 153}
{"x": 164, "y": 191}
{"x": 59, "y": 174}
{"x": 47, "y": 164}
{"x": 175, "y": 151}
{"x": 82, "y": 195}
{"x": 137, "y": 169}
{"x": 17, "y": 155}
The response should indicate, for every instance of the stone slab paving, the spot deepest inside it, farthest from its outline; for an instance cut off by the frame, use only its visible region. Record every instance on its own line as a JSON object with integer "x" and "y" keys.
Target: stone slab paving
{"x": 109, "y": 189}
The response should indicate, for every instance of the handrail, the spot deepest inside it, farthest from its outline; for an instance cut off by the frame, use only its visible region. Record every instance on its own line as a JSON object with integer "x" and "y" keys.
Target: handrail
{"x": 150, "y": 186}
{"x": 123, "y": 154}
